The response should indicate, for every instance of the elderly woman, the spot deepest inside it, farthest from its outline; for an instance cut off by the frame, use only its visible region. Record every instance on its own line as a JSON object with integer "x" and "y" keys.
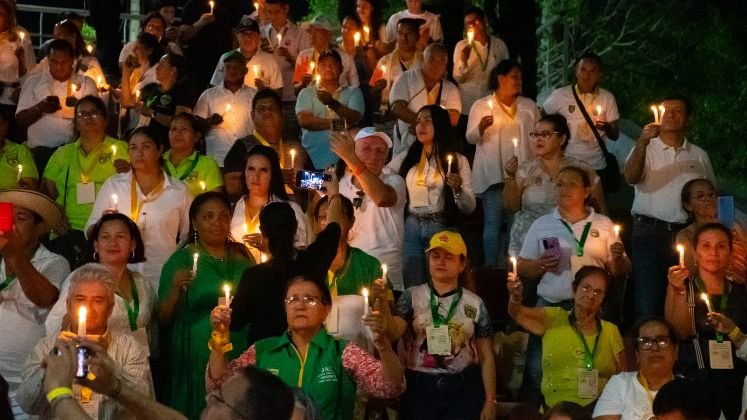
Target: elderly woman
{"x": 630, "y": 395}
{"x": 448, "y": 344}
{"x": 186, "y": 298}
{"x": 691, "y": 297}
{"x": 92, "y": 287}
{"x": 32, "y": 277}
{"x": 581, "y": 352}
{"x": 184, "y": 162}
{"x": 307, "y": 356}
{"x": 699, "y": 197}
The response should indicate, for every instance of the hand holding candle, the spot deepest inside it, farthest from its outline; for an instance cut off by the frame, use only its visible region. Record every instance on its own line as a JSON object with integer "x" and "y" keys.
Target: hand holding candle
{"x": 293, "y": 158}
{"x": 514, "y": 267}
{"x": 681, "y": 250}
{"x": 449, "y": 159}
{"x": 616, "y": 228}
{"x": 357, "y": 39}
{"x": 704, "y": 296}
{"x": 364, "y": 292}
{"x": 82, "y": 312}
{"x": 227, "y": 292}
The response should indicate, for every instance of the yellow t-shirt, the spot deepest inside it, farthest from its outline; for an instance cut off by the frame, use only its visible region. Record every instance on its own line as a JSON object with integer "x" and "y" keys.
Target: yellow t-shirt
{"x": 205, "y": 169}
{"x": 12, "y": 155}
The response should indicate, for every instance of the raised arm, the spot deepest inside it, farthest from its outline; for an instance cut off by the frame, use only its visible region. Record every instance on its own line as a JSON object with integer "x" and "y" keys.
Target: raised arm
{"x": 531, "y": 319}
{"x": 636, "y": 163}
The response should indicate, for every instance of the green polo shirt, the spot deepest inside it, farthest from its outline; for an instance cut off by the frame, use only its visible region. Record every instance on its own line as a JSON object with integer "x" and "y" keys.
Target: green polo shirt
{"x": 194, "y": 169}
{"x": 67, "y": 166}
{"x": 359, "y": 271}
{"x": 321, "y": 376}
{"x": 12, "y": 155}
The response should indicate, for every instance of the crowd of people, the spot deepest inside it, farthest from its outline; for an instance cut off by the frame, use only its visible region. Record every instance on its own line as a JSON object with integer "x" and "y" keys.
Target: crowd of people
{"x": 160, "y": 258}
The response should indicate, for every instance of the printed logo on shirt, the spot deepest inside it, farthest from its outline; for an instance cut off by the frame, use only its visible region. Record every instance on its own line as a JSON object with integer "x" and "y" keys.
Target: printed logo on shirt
{"x": 105, "y": 157}
{"x": 165, "y": 100}
{"x": 274, "y": 371}
{"x": 12, "y": 159}
{"x": 192, "y": 177}
{"x": 571, "y": 108}
{"x": 326, "y": 375}
{"x": 594, "y": 233}
{"x": 470, "y": 312}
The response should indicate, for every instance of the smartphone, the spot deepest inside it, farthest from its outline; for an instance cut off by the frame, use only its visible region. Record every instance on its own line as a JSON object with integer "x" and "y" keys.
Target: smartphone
{"x": 726, "y": 210}
{"x": 311, "y": 180}
{"x": 53, "y": 99}
{"x": 339, "y": 124}
{"x": 551, "y": 244}
{"x": 6, "y": 217}
{"x": 81, "y": 362}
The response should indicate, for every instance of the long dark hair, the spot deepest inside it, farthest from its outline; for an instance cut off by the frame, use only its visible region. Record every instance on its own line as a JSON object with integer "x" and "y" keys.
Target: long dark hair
{"x": 138, "y": 254}
{"x": 70, "y": 28}
{"x": 194, "y": 208}
{"x": 444, "y": 143}
{"x": 150, "y": 42}
{"x": 277, "y": 222}
{"x": 277, "y": 188}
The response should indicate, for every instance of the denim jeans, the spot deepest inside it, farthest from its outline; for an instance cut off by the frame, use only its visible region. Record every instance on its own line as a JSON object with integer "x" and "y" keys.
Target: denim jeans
{"x": 653, "y": 246}
{"x": 418, "y": 233}
{"x": 492, "y": 206}
{"x": 457, "y": 396}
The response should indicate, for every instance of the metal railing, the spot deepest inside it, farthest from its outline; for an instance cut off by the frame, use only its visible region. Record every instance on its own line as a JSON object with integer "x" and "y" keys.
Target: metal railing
{"x": 555, "y": 57}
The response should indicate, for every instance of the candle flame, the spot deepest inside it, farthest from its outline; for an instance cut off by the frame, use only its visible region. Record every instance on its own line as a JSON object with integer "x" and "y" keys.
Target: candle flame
{"x": 366, "y": 29}
{"x": 599, "y": 110}
{"x": 661, "y": 112}
{"x": 383, "y": 68}
{"x": 22, "y": 35}
{"x": 470, "y": 35}
{"x": 20, "y": 168}
{"x": 246, "y": 228}
{"x": 115, "y": 199}
{"x": 228, "y": 107}
{"x": 195, "y": 255}
{"x": 89, "y": 48}
{"x": 515, "y": 142}
{"x": 203, "y": 187}
{"x": 449, "y": 158}
{"x": 114, "y": 150}
{"x": 82, "y": 313}
{"x": 616, "y": 229}
{"x": 364, "y": 292}
{"x": 255, "y": 69}
{"x": 680, "y": 248}
{"x": 311, "y": 66}
{"x": 227, "y": 289}
{"x": 263, "y": 258}
{"x": 490, "y": 104}
{"x": 293, "y": 152}
{"x": 357, "y": 38}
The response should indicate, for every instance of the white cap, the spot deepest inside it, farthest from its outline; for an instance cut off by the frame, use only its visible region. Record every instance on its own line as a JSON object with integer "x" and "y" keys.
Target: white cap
{"x": 371, "y": 132}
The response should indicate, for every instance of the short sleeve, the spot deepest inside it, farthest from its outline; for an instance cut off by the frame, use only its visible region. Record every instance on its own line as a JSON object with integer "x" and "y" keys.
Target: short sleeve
{"x": 355, "y": 101}
{"x": 304, "y": 101}
{"x": 403, "y": 309}
{"x": 56, "y": 168}
{"x": 611, "y": 402}
{"x": 530, "y": 249}
{"x": 483, "y": 328}
{"x": 452, "y": 100}
{"x": 399, "y": 90}
{"x": 212, "y": 175}
{"x": 27, "y": 160}
{"x": 202, "y": 107}
{"x": 218, "y": 73}
{"x": 551, "y": 104}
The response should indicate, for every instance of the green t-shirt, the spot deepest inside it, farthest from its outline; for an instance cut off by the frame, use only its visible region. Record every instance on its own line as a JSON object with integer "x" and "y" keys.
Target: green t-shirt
{"x": 193, "y": 170}
{"x": 12, "y": 155}
{"x": 359, "y": 271}
{"x": 69, "y": 166}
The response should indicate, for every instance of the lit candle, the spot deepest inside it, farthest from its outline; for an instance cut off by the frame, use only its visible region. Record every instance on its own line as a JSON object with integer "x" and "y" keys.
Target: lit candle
{"x": 470, "y": 36}
{"x": 246, "y": 229}
{"x": 655, "y": 110}
{"x": 616, "y": 228}
{"x": 212, "y": 6}
{"x": 89, "y": 48}
{"x": 255, "y": 69}
{"x": 599, "y": 111}
{"x": 20, "y": 172}
{"x": 513, "y": 265}
{"x": 317, "y": 79}
{"x": 114, "y": 200}
{"x": 262, "y": 258}
{"x": 293, "y": 158}
{"x": 256, "y": 7}
{"x": 515, "y": 142}
{"x": 364, "y": 292}
{"x": 383, "y": 271}
{"x": 227, "y": 292}
{"x": 490, "y": 104}
{"x": 366, "y": 33}
{"x": 661, "y": 113}
{"x": 280, "y": 39}
{"x": 194, "y": 263}
{"x": 312, "y": 64}
{"x": 114, "y": 151}
{"x": 137, "y": 95}
{"x": 357, "y": 38}
{"x": 82, "y": 311}
{"x": 22, "y": 35}
{"x": 449, "y": 158}
{"x": 98, "y": 82}
{"x": 228, "y": 108}
{"x": 704, "y": 296}
{"x": 681, "y": 250}
{"x": 74, "y": 88}
{"x": 203, "y": 187}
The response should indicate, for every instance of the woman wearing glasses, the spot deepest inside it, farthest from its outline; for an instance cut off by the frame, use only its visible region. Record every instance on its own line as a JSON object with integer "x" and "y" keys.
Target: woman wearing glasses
{"x": 529, "y": 187}
{"x": 705, "y": 350}
{"x": 581, "y": 351}
{"x": 306, "y": 356}
{"x": 630, "y": 395}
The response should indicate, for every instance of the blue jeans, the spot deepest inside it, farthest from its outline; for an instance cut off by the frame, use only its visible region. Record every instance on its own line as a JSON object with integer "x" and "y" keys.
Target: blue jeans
{"x": 418, "y": 233}
{"x": 653, "y": 246}
{"x": 457, "y": 396}
{"x": 492, "y": 206}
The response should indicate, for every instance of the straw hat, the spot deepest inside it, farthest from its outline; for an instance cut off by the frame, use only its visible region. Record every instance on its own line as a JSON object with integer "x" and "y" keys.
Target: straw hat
{"x": 50, "y": 212}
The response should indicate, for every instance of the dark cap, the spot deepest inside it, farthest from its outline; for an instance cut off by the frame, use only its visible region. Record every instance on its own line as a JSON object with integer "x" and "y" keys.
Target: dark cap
{"x": 247, "y": 24}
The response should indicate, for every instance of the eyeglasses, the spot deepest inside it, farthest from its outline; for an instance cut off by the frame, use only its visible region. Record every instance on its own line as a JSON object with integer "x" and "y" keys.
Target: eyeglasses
{"x": 218, "y": 396}
{"x": 596, "y": 292}
{"x": 705, "y": 195}
{"x": 88, "y": 114}
{"x": 294, "y": 301}
{"x": 647, "y": 343}
{"x": 542, "y": 134}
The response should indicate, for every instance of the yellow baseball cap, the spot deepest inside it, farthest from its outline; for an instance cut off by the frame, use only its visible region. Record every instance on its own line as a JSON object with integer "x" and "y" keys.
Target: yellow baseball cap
{"x": 452, "y": 242}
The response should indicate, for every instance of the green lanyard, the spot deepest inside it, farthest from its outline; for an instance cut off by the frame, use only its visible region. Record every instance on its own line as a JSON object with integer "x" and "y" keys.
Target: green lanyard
{"x": 8, "y": 280}
{"x": 483, "y": 63}
{"x": 189, "y": 171}
{"x": 132, "y": 311}
{"x": 579, "y": 243}
{"x": 588, "y": 355}
{"x": 437, "y": 318}
{"x": 724, "y": 301}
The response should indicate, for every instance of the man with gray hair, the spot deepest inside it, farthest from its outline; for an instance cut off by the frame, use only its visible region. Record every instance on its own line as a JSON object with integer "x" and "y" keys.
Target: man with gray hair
{"x": 89, "y": 305}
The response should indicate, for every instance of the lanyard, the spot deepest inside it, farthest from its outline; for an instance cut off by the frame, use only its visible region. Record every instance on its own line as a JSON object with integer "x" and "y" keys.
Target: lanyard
{"x": 483, "y": 64}
{"x": 134, "y": 205}
{"x": 579, "y": 243}
{"x": 132, "y": 311}
{"x": 189, "y": 171}
{"x": 509, "y": 111}
{"x": 437, "y": 318}
{"x": 644, "y": 382}
{"x": 723, "y": 301}
{"x": 8, "y": 280}
{"x": 85, "y": 173}
{"x": 588, "y": 355}
{"x": 264, "y": 142}
{"x": 593, "y": 97}
{"x": 251, "y": 222}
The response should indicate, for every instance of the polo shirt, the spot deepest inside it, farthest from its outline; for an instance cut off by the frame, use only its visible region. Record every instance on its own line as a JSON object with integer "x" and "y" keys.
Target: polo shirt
{"x": 12, "y": 155}
{"x": 473, "y": 77}
{"x": 267, "y": 70}
{"x": 192, "y": 170}
{"x": 389, "y": 68}
{"x": 348, "y": 76}
{"x": 432, "y": 22}
{"x": 67, "y": 166}
{"x": 359, "y": 270}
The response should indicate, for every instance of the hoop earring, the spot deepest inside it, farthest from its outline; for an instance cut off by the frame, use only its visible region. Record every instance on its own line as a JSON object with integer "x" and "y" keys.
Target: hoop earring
{"x": 95, "y": 256}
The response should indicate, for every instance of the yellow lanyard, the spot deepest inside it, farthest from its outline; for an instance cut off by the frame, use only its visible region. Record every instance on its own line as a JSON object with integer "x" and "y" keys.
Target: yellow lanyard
{"x": 264, "y": 142}
{"x": 421, "y": 173}
{"x": 85, "y": 172}
{"x": 509, "y": 111}
{"x": 134, "y": 205}
{"x": 332, "y": 284}
{"x": 252, "y": 223}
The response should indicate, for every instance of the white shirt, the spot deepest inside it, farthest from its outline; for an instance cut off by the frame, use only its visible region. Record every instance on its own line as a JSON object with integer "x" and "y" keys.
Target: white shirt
{"x": 666, "y": 171}
{"x": 55, "y": 129}
{"x": 266, "y": 67}
{"x": 473, "y": 78}
{"x": 625, "y": 396}
{"x": 495, "y": 147}
{"x": 410, "y": 88}
{"x": 163, "y": 218}
{"x": 349, "y": 75}
{"x": 22, "y": 322}
{"x": 432, "y": 22}
{"x": 295, "y": 40}
{"x": 9, "y": 62}
{"x": 380, "y": 231}
{"x": 583, "y": 145}
{"x": 88, "y": 62}
{"x": 236, "y": 110}
{"x": 556, "y": 286}
{"x": 393, "y": 69}
{"x": 429, "y": 199}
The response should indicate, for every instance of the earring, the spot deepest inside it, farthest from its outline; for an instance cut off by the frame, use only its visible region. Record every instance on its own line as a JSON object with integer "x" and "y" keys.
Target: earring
{"x": 132, "y": 255}
{"x": 194, "y": 230}
{"x": 95, "y": 256}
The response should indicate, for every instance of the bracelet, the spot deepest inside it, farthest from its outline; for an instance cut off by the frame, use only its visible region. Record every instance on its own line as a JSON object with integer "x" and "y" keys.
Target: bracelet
{"x": 220, "y": 342}
{"x": 735, "y": 333}
{"x": 58, "y": 392}
{"x": 57, "y": 400}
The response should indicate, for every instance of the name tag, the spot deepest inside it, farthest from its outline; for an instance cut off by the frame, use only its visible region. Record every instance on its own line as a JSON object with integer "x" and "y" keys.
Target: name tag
{"x": 720, "y": 355}
{"x": 86, "y": 192}
{"x": 439, "y": 342}
{"x": 588, "y": 383}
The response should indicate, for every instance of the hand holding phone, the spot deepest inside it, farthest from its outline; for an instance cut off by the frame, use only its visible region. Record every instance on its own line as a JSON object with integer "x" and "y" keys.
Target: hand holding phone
{"x": 311, "y": 180}
{"x": 6, "y": 217}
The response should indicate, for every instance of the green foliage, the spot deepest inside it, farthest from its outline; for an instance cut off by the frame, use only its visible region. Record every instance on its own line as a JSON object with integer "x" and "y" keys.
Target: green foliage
{"x": 89, "y": 34}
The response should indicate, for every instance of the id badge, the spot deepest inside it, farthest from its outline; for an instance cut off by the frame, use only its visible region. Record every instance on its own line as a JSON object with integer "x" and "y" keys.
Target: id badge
{"x": 86, "y": 192}
{"x": 720, "y": 354}
{"x": 588, "y": 383}
{"x": 419, "y": 196}
{"x": 439, "y": 342}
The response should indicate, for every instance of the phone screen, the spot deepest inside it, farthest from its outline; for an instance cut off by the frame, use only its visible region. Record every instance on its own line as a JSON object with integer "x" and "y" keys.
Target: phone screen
{"x": 311, "y": 180}
{"x": 6, "y": 217}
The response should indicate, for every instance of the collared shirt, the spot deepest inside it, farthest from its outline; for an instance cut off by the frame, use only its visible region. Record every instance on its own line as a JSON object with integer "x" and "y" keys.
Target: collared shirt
{"x": 9, "y": 62}
{"x": 624, "y": 396}
{"x": 411, "y": 88}
{"x": 473, "y": 78}
{"x": 85, "y": 65}
{"x": 666, "y": 171}
{"x": 295, "y": 40}
{"x": 432, "y": 22}
{"x": 22, "y": 321}
{"x": 495, "y": 146}
{"x": 434, "y": 186}
{"x": 583, "y": 145}
{"x": 555, "y": 286}
{"x": 379, "y": 231}
{"x": 55, "y": 129}
{"x": 132, "y": 368}
{"x": 12, "y": 155}
{"x": 67, "y": 168}
{"x": 194, "y": 169}
{"x": 349, "y": 75}
{"x": 267, "y": 70}
{"x": 316, "y": 143}
{"x": 389, "y": 68}
{"x": 163, "y": 218}
{"x": 236, "y": 110}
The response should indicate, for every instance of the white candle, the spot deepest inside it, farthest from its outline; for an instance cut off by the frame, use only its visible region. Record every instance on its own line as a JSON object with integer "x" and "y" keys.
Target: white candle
{"x": 212, "y": 6}
{"x": 22, "y": 35}
{"x": 366, "y": 33}
{"x": 704, "y": 296}
{"x": 383, "y": 272}
{"x": 470, "y": 36}
{"x": 656, "y": 113}
{"x": 20, "y": 172}
{"x": 293, "y": 158}
{"x": 114, "y": 152}
{"x": 616, "y": 228}
{"x": 227, "y": 292}
{"x": 203, "y": 187}
{"x": 661, "y": 113}
{"x": 82, "y": 311}
{"x": 194, "y": 263}
{"x": 513, "y": 265}
{"x": 681, "y": 250}
{"x": 357, "y": 39}
{"x": 114, "y": 201}
{"x": 262, "y": 257}
{"x": 364, "y": 292}
{"x": 280, "y": 39}
{"x": 515, "y": 142}
{"x": 449, "y": 158}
